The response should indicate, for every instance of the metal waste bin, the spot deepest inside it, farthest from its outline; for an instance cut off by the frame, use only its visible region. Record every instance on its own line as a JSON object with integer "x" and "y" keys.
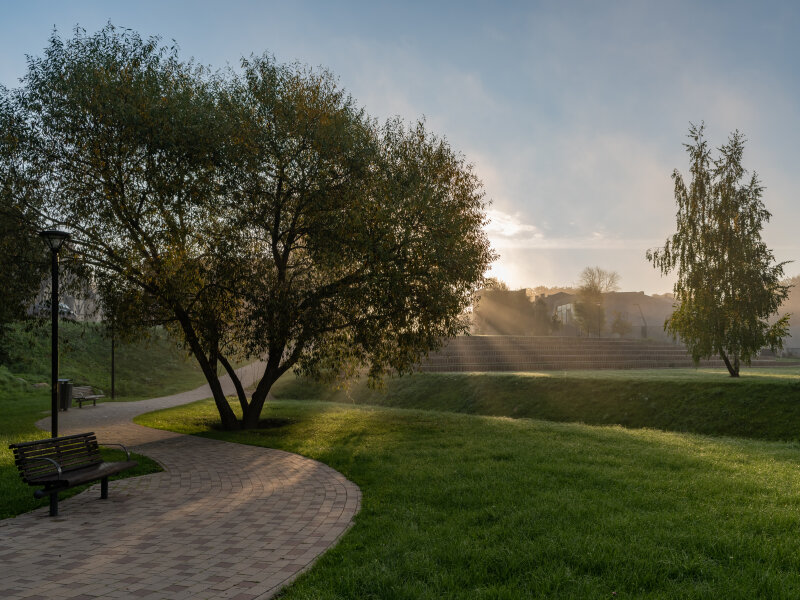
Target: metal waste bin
{"x": 64, "y": 394}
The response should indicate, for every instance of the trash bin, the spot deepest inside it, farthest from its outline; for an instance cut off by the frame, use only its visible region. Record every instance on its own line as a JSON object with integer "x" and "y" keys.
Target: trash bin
{"x": 64, "y": 394}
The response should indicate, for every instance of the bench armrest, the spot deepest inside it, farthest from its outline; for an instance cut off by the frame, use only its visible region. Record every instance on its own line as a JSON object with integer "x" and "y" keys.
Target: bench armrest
{"x": 50, "y": 460}
{"x": 127, "y": 452}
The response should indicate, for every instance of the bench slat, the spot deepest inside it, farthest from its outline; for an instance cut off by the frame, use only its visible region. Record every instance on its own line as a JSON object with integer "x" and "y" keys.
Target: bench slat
{"x": 70, "y": 452}
{"x": 80, "y": 476}
{"x": 87, "y": 446}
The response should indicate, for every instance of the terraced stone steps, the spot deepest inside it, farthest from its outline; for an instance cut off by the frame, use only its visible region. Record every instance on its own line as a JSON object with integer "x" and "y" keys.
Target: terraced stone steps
{"x": 521, "y": 353}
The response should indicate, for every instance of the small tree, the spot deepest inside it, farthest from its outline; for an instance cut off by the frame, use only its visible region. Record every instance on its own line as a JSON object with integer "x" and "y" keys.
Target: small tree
{"x": 589, "y": 306}
{"x": 621, "y": 325}
{"x": 728, "y": 283}
{"x": 542, "y": 317}
{"x": 494, "y": 283}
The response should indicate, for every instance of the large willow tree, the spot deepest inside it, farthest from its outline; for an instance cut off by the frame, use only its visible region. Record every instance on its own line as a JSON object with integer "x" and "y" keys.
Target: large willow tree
{"x": 728, "y": 283}
{"x": 258, "y": 214}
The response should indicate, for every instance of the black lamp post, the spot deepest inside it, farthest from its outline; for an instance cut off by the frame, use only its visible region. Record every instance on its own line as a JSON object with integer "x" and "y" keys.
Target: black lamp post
{"x": 55, "y": 239}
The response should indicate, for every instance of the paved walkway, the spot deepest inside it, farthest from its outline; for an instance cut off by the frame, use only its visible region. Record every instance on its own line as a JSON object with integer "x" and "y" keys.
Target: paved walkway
{"x": 222, "y": 521}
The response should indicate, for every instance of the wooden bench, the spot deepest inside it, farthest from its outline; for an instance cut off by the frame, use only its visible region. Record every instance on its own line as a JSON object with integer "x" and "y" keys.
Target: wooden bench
{"x": 65, "y": 462}
{"x": 85, "y": 393}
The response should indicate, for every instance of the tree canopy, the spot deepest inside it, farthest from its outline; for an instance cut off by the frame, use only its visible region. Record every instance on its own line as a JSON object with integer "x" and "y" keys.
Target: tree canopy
{"x": 728, "y": 283}
{"x": 257, "y": 214}
{"x": 23, "y": 260}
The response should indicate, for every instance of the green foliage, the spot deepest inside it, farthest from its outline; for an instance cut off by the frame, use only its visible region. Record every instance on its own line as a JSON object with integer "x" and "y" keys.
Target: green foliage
{"x": 728, "y": 284}
{"x": 256, "y": 215}
{"x": 493, "y": 283}
{"x": 458, "y": 506}
{"x": 23, "y": 258}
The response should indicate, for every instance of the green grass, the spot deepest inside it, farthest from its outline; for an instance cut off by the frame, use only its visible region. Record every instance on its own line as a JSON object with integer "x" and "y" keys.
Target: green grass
{"x": 21, "y": 406}
{"x": 152, "y": 368}
{"x": 761, "y": 404}
{"x": 146, "y": 369}
{"x": 462, "y": 506}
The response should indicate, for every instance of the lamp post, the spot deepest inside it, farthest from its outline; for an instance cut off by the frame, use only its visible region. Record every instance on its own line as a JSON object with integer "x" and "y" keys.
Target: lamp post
{"x": 113, "y": 340}
{"x": 54, "y": 239}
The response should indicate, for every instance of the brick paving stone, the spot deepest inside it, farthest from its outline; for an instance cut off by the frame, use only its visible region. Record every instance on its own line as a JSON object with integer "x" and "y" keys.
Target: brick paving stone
{"x": 222, "y": 521}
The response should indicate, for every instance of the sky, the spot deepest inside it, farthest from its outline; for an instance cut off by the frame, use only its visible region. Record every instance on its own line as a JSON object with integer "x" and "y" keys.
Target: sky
{"x": 573, "y": 114}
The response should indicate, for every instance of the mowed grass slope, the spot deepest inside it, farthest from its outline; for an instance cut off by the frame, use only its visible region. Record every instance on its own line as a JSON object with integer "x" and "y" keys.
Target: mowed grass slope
{"x": 461, "y": 506}
{"x": 144, "y": 369}
{"x": 761, "y": 404}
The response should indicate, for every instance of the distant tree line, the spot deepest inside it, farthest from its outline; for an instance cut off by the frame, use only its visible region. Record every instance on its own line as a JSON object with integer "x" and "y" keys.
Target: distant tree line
{"x": 498, "y": 310}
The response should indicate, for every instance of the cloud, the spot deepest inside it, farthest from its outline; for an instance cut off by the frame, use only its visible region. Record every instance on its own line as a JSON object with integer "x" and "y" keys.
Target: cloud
{"x": 505, "y": 226}
{"x": 507, "y": 231}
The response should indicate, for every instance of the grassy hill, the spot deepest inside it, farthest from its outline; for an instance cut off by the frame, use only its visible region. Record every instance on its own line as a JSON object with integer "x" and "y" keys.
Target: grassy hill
{"x": 152, "y": 367}
{"x": 761, "y": 404}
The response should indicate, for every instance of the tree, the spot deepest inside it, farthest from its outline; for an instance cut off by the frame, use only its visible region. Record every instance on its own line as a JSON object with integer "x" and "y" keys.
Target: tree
{"x": 542, "y": 317}
{"x": 255, "y": 215}
{"x": 589, "y": 309}
{"x": 494, "y": 283}
{"x": 23, "y": 258}
{"x": 621, "y": 325}
{"x": 728, "y": 283}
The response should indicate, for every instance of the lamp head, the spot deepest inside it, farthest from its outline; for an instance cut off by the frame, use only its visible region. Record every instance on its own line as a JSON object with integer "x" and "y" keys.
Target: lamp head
{"x": 54, "y": 238}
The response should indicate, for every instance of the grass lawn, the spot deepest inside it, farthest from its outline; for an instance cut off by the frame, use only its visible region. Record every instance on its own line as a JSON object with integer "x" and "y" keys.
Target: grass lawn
{"x": 147, "y": 369}
{"x": 761, "y": 404}
{"x": 465, "y": 506}
{"x": 21, "y": 407}
{"x": 144, "y": 370}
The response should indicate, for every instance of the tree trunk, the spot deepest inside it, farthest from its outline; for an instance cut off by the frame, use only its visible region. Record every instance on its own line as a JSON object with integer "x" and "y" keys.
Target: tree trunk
{"x": 253, "y": 412}
{"x": 733, "y": 369}
{"x": 228, "y": 418}
{"x": 272, "y": 372}
{"x": 236, "y": 383}
{"x": 226, "y": 415}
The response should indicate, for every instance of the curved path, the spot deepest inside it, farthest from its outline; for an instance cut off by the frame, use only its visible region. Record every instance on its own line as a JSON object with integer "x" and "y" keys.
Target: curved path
{"x": 222, "y": 521}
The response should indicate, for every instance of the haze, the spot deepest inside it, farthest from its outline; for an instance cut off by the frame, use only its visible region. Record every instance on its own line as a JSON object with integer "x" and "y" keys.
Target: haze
{"x": 573, "y": 114}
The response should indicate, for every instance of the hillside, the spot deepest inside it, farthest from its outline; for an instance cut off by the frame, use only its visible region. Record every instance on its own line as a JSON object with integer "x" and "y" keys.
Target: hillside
{"x": 152, "y": 367}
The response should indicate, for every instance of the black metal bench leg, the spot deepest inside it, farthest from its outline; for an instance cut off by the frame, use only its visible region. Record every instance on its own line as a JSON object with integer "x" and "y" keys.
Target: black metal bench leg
{"x": 104, "y": 488}
{"x": 54, "y": 504}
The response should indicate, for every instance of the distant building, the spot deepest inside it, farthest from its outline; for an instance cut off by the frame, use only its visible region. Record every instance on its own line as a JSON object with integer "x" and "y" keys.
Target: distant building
{"x": 510, "y": 312}
{"x": 565, "y": 314}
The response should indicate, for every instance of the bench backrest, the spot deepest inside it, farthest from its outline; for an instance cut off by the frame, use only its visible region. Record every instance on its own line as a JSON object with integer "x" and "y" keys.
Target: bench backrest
{"x": 70, "y": 452}
{"x": 81, "y": 390}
